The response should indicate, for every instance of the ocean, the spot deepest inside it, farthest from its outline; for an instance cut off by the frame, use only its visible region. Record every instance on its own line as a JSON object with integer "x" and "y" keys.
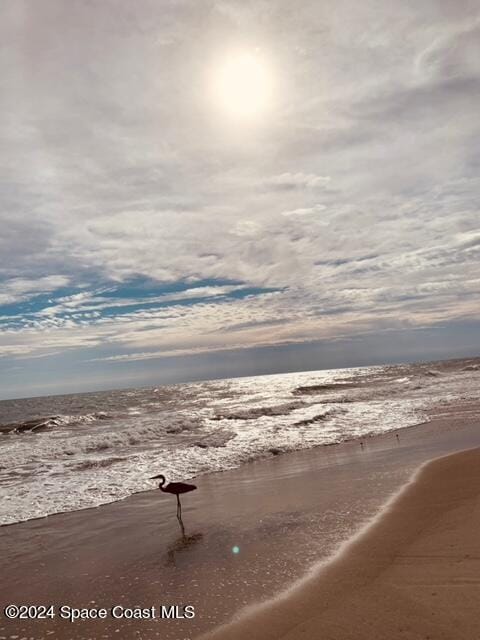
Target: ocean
{"x": 70, "y": 452}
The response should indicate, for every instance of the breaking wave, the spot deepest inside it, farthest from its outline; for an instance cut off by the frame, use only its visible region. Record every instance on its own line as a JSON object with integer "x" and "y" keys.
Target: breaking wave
{"x": 40, "y": 424}
{"x": 257, "y": 412}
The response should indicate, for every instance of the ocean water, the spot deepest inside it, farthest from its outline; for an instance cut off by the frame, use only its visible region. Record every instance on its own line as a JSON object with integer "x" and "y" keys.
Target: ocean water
{"x": 64, "y": 453}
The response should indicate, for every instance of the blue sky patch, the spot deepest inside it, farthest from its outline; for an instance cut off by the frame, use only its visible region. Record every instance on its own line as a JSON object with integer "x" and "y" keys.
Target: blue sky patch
{"x": 110, "y": 300}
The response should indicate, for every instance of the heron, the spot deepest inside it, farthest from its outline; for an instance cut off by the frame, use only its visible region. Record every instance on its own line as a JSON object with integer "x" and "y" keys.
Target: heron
{"x": 175, "y": 488}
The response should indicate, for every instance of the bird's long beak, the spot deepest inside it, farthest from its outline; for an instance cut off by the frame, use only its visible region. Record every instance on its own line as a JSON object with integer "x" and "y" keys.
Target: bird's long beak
{"x": 155, "y": 477}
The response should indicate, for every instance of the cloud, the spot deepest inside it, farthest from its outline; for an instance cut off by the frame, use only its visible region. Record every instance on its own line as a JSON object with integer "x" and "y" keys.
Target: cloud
{"x": 354, "y": 207}
{"x": 451, "y": 54}
{"x": 291, "y": 181}
{"x": 318, "y": 208}
{"x": 18, "y": 289}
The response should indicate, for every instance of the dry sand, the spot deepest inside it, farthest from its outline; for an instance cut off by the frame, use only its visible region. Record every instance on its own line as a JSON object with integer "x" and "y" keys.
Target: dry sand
{"x": 414, "y": 573}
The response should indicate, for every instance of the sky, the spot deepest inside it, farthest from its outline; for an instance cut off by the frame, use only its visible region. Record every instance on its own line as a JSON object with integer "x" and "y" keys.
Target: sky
{"x": 166, "y": 216}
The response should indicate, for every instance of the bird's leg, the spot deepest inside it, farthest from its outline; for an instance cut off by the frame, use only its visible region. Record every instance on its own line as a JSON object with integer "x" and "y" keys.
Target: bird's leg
{"x": 182, "y": 527}
{"x": 179, "y": 516}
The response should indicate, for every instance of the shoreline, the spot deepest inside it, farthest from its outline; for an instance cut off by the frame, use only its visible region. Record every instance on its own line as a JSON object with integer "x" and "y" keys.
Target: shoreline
{"x": 366, "y": 439}
{"x": 130, "y": 552}
{"x": 433, "y": 509}
{"x": 355, "y": 440}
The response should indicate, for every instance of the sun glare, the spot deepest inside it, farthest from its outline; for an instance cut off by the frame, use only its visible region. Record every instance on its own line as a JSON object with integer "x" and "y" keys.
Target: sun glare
{"x": 242, "y": 85}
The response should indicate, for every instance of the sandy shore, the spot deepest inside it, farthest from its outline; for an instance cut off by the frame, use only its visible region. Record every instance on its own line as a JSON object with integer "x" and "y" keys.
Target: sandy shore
{"x": 284, "y": 514}
{"x": 414, "y": 573}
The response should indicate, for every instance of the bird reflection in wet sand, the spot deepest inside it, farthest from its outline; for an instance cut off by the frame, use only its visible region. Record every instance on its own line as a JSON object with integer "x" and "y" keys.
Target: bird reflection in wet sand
{"x": 180, "y": 545}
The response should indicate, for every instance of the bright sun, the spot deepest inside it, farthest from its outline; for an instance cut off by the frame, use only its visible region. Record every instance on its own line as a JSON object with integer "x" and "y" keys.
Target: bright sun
{"x": 242, "y": 85}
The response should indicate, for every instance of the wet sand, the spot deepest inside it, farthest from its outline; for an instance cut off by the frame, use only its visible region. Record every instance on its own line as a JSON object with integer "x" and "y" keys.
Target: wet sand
{"x": 284, "y": 515}
{"x": 414, "y": 573}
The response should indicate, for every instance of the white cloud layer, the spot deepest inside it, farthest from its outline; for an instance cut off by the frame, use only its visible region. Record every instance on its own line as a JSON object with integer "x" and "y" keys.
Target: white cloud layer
{"x": 357, "y": 198}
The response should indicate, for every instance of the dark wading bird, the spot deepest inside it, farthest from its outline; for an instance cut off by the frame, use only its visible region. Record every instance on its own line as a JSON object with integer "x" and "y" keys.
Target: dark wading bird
{"x": 175, "y": 488}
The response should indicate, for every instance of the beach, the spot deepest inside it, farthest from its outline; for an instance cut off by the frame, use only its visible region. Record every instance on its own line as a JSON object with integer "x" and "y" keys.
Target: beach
{"x": 255, "y": 534}
{"x": 412, "y": 574}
